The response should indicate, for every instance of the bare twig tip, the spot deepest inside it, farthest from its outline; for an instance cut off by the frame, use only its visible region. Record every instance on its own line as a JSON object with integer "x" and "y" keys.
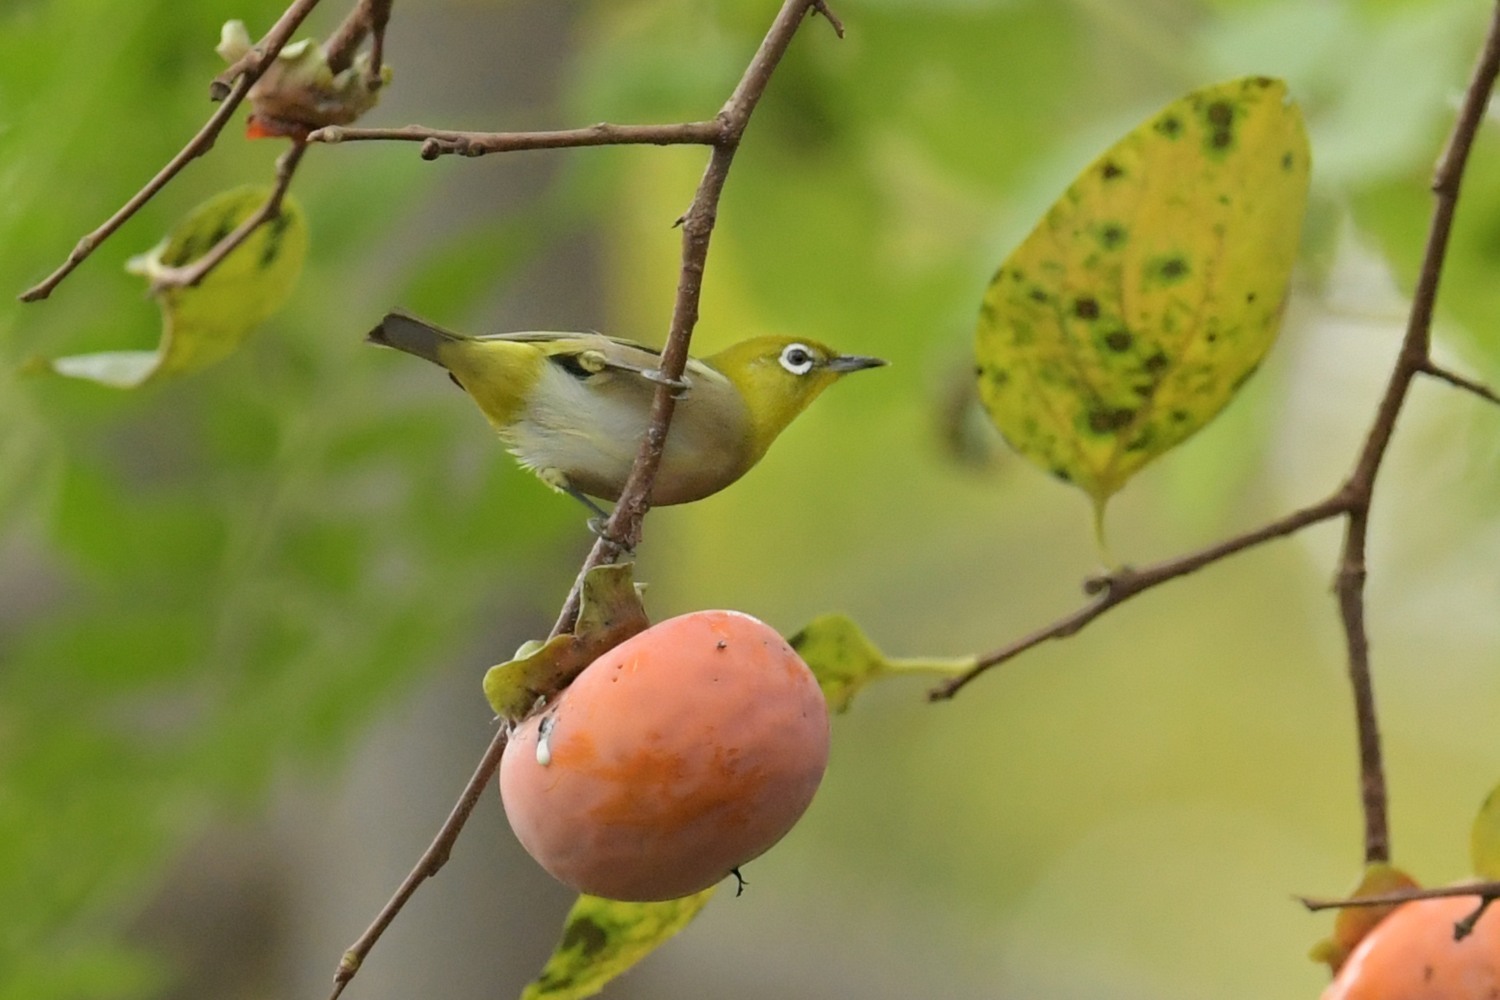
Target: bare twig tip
{"x": 821, "y": 7}
{"x": 247, "y": 65}
{"x": 943, "y": 692}
{"x": 1457, "y": 381}
{"x": 1465, "y": 927}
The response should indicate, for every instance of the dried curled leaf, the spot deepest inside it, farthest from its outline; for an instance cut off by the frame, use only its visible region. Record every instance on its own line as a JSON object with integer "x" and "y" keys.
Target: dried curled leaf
{"x": 610, "y": 612}
{"x": 603, "y": 938}
{"x": 299, "y": 92}
{"x": 1151, "y": 290}
{"x": 844, "y": 660}
{"x": 206, "y": 322}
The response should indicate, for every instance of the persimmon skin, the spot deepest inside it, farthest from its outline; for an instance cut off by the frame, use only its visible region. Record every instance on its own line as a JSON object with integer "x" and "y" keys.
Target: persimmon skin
{"x": 1411, "y": 955}
{"x": 673, "y": 759}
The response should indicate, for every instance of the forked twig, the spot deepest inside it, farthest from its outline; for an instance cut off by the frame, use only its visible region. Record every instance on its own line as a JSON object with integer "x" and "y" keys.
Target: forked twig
{"x": 1113, "y": 589}
{"x": 1352, "y": 500}
{"x": 230, "y": 87}
{"x": 1487, "y": 892}
{"x": 623, "y": 530}
{"x": 1318, "y": 903}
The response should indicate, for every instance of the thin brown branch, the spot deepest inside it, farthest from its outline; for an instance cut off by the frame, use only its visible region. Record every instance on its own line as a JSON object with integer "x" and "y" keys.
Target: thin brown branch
{"x": 428, "y": 865}
{"x": 1349, "y": 588}
{"x": 367, "y": 18}
{"x": 1113, "y": 589}
{"x": 1413, "y": 358}
{"x": 196, "y": 147}
{"x": 623, "y": 530}
{"x": 373, "y": 78}
{"x": 1415, "y": 351}
{"x": 1484, "y": 890}
{"x": 1458, "y": 381}
{"x": 441, "y": 142}
{"x": 189, "y": 275}
{"x": 231, "y": 86}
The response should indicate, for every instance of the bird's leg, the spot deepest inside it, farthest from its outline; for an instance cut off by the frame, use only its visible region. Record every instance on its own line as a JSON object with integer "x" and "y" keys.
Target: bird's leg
{"x": 558, "y": 480}
{"x": 679, "y": 387}
{"x": 596, "y": 523}
{"x": 595, "y": 361}
{"x": 586, "y": 500}
{"x": 739, "y": 881}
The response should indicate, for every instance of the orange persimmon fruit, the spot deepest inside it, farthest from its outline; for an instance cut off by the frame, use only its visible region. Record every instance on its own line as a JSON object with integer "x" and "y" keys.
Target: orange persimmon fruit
{"x": 1411, "y": 955}
{"x": 673, "y": 759}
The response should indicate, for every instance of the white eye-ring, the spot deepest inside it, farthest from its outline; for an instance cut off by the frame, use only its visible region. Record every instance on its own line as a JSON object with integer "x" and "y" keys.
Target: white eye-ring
{"x": 797, "y": 359}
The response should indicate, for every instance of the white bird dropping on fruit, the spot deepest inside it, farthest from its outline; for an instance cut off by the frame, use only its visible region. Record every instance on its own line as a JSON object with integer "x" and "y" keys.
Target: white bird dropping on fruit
{"x": 543, "y": 746}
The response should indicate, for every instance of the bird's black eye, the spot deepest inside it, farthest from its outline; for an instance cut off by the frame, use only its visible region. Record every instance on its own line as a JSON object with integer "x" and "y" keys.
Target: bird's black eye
{"x": 797, "y": 359}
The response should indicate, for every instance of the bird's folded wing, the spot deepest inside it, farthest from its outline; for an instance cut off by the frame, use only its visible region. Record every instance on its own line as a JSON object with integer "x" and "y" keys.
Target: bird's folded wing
{"x": 585, "y": 354}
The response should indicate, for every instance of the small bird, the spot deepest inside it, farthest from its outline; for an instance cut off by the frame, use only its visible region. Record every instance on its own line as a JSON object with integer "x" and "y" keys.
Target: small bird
{"x": 573, "y": 407}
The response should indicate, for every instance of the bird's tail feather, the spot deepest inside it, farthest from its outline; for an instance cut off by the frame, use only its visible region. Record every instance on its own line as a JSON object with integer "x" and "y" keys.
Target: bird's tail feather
{"x": 405, "y": 332}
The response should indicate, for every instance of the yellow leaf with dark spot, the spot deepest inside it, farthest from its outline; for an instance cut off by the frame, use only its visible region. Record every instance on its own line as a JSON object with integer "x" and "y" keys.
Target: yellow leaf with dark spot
{"x": 603, "y": 938}
{"x": 206, "y": 322}
{"x": 1151, "y": 290}
{"x": 844, "y": 660}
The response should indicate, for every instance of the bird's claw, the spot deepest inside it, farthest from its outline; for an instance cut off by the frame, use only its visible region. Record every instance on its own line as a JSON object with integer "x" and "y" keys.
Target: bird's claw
{"x": 599, "y": 528}
{"x": 678, "y": 386}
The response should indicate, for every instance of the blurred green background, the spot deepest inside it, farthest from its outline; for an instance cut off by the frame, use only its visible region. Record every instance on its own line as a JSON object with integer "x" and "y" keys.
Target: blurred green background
{"x": 244, "y": 616}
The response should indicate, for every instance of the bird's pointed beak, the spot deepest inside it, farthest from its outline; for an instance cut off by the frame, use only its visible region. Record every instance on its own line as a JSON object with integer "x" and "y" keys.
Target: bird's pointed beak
{"x": 852, "y": 363}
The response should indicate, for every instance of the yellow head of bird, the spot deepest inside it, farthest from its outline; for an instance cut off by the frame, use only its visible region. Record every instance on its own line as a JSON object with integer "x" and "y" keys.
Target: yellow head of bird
{"x": 779, "y": 376}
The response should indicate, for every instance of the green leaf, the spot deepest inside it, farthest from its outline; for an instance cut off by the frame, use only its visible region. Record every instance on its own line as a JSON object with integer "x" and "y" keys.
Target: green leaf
{"x": 603, "y": 938}
{"x": 1151, "y": 290}
{"x": 207, "y": 322}
{"x": 610, "y": 612}
{"x": 1484, "y": 838}
{"x": 844, "y": 660}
